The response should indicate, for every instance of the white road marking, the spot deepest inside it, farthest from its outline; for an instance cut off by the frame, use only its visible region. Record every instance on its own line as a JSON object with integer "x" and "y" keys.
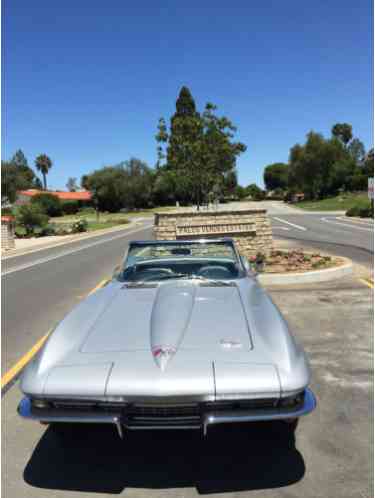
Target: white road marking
{"x": 280, "y": 228}
{"x": 67, "y": 253}
{"x": 347, "y": 225}
{"x": 291, "y": 224}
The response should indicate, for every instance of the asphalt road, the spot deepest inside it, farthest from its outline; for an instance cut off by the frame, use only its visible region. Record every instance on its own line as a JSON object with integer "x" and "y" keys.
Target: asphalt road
{"x": 332, "y": 233}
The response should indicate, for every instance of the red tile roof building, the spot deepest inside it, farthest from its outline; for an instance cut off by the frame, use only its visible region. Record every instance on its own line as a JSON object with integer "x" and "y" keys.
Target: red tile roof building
{"x": 23, "y": 196}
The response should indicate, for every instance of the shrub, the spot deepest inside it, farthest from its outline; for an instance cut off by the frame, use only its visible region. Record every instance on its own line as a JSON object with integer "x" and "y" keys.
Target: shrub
{"x": 47, "y": 231}
{"x": 87, "y": 210}
{"x": 70, "y": 207}
{"x": 353, "y": 211}
{"x": 317, "y": 264}
{"x": 6, "y": 211}
{"x": 49, "y": 203}
{"x": 31, "y": 216}
{"x": 20, "y": 232}
{"x": 366, "y": 212}
{"x": 62, "y": 230}
{"x": 119, "y": 221}
{"x": 80, "y": 226}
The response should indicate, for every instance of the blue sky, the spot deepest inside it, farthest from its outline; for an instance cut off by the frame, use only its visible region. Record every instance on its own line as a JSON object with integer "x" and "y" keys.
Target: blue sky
{"x": 86, "y": 81}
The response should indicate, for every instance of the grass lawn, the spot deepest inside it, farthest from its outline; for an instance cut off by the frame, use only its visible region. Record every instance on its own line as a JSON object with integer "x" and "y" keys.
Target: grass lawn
{"x": 107, "y": 218}
{"x": 93, "y": 225}
{"x": 341, "y": 202}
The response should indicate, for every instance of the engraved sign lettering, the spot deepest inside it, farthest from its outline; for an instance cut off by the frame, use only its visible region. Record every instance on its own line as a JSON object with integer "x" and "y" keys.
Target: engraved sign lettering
{"x": 214, "y": 229}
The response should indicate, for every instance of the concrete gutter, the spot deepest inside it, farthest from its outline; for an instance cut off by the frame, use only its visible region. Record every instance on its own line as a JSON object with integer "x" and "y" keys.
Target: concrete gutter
{"x": 308, "y": 277}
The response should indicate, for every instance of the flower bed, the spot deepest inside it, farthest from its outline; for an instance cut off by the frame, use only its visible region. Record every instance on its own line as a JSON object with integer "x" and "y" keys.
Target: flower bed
{"x": 281, "y": 261}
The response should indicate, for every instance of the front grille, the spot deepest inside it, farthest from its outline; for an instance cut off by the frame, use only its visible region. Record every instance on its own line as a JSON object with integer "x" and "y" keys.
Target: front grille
{"x": 163, "y": 410}
{"x": 163, "y": 415}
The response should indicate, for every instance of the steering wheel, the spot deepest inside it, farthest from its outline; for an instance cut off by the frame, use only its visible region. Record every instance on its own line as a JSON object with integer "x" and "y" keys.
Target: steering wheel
{"x": 214, "y": 271}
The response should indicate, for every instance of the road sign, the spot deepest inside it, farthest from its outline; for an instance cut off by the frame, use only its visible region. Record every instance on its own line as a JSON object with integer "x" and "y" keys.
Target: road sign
{"x": 370, "y": 188}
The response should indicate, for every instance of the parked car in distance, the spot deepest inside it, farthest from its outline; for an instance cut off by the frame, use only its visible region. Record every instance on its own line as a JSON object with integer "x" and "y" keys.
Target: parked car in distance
{"x": 182, "y": 337}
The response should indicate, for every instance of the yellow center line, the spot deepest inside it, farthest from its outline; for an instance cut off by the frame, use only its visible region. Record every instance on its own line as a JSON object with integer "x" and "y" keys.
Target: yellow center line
{"x": 26, "y": 358}
{"x": 97, "y": 287}
{"x": 368, "y": 282}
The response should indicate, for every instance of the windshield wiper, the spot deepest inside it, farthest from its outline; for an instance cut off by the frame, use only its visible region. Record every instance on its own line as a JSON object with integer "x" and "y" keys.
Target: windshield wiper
{"x": 213, "y": 281}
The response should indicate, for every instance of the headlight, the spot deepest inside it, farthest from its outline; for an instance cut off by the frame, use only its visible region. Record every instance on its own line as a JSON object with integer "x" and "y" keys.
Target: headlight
{"x": 291, "y": 401}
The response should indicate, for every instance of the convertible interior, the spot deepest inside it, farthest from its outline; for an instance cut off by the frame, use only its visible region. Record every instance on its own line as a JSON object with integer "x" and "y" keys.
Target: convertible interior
{"x": 159, "y": 270}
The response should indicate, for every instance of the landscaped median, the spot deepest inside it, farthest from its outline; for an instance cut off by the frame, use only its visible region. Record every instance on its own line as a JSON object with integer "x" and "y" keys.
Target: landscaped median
{"x": 287, "y": 267}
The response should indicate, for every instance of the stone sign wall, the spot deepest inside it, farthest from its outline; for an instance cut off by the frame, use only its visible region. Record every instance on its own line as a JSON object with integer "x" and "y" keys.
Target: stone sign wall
{"x": 250, "y": 228}
{"x": 7, "y": 233}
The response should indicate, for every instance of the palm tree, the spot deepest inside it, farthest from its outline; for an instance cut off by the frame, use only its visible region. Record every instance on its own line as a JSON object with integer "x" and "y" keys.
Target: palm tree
{"x": 43, "y": 163}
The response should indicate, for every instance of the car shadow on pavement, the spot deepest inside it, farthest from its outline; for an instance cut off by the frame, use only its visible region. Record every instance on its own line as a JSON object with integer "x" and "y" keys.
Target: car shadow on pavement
{"x": 231, "y": 458}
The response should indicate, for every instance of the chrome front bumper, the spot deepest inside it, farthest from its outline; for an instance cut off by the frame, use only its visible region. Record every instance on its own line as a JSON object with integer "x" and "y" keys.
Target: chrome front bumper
{"x": 210, "y": 418}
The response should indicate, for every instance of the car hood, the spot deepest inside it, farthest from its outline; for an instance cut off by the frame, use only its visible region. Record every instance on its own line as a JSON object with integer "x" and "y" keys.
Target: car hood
{"x": 172, "y": 317}
{"x": 180, "y": 338}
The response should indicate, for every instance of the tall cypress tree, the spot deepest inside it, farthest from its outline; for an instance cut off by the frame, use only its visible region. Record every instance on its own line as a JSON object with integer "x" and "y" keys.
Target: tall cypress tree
{"x": 200, "y": 152}
{"x": 185, "y": 105}
{"x": 185, "y": 134}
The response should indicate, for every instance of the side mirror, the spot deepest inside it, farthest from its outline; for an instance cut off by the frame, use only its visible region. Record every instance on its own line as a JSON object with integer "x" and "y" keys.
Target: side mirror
{"x": 245, "y": 263}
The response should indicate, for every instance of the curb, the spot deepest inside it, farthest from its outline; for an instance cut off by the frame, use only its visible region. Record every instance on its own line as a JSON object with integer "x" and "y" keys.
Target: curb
{"x": 69, "y": 240}
{"x": 363, "y": 221}
{"x": 326, "y": 213}
{"x": 309, "y": 277}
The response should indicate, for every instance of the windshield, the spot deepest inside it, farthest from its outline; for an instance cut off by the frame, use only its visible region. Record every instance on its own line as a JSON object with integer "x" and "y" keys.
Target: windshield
{"x": 161, "y": 261}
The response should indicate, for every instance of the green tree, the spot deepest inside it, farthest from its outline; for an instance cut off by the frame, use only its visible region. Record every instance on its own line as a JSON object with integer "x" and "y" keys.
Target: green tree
{"x": 368, "y": 164}
{"x": 129, "y": 185}
{"x": 71, "y": 184}
{"x": 165, "y": 187}
{"x": 139, "y": 180}
{"x": 199, "y": 148}
{"x": 311, "y": 165}
{"x": 107, "y": 186}
{"x": 31, "y": 216}
{"x": 20, "y": 162}
{"x": 16, "y": 175}
{"x": 276, "y": 176}
{"x": 43, "y": 164}
{"x": 357, "y": 150}
{"x": 342, "y": 175}
{"x": 49, "y": 203}
{"x": 11, "y": 182}
{"x": 84, "y": 182}
{"x": 240, "y": 192}
{"x": 343, "y": 131}
{"x": 228, "y": 185}
{"x": 255, "y": 192}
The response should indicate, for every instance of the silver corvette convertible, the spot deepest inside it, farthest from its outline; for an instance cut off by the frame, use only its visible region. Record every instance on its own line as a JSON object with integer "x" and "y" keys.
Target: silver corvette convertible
{"x": 183, "y": 337}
